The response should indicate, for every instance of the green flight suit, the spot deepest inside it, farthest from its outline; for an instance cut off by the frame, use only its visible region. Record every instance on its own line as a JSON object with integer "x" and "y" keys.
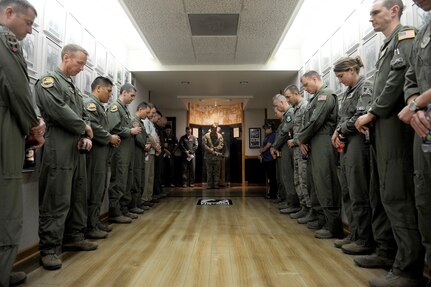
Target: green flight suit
{"x": 97, "y": 159}
{"x": 355, "y": 162}
{"x": 280, "y": 185}
{"x": 392, "y": 160}
{"x": 286, "y": 160}
{"x": 319, "y": 125}
{"x": 120, "y": 123}
{"x": 212, "y": 143}
{"x": 17, "y": 117}
{"x": 63, "y": 179}
{"x": 139, "y": 164}
{"x": 418, "y": 80}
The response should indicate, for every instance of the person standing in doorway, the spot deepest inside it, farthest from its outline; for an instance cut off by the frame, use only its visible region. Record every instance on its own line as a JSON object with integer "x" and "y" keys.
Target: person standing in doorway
{"x": 188, "y": 145}
{"x": 213, "y": 145}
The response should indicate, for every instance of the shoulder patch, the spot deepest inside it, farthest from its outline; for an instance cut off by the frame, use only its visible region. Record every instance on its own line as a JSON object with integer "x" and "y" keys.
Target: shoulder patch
{"x": 407, "y": 34}
{"x": 91, "y": 107}
{"x": 322, "y": 98}
{"x": 113, "y": 108}
{"x": 288, "y": 119}
{"x": 135, "y": 124}
{"x": 47, "y": 82}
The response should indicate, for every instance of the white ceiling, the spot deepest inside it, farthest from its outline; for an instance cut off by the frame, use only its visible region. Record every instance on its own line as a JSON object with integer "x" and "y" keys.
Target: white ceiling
{"x": 165, "y": 26}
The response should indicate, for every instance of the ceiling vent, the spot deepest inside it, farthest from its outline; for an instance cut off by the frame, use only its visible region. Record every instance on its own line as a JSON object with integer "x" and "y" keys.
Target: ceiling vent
{"x": 214, "y": 24}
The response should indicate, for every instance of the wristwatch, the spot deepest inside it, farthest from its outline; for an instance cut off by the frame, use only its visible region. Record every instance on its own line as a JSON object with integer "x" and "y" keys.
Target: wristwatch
{"x": 412, "y": 106}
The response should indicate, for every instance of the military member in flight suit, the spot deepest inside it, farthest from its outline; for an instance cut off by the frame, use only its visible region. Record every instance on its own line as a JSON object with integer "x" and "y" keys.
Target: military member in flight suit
{"x": 97, "y": 158}
{"x": 320, "y": 123}
{"x": 282, "y": 204}
{"x": 418, "y": 81}
{"x": 354, "y": 157}
{"x": 120, "y": 123}
{"x": 213, "y": 145}
{"x": 63, "y": 179}
{"x": 299, "y": 162}
{"x": 18, "y": 120}
{"x": 285, "y": 133}
{"x": 391, "y": 154}
{"x": 141, "y": 147}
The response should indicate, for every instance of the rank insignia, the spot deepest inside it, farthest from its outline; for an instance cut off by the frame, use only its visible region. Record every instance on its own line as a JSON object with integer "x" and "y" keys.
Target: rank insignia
{"x": 47, "y": 82}
{"x": 135, "y": 124}
{"x": 114, "y": 108}
{"x": 408, "y": 34}
{"x": 322, "y": 98}
{"x": 91, "y": 107}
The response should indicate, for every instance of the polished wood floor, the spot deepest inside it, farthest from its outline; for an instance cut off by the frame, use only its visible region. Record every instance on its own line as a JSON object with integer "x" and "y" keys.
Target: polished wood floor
{"x": 178, "y": 243}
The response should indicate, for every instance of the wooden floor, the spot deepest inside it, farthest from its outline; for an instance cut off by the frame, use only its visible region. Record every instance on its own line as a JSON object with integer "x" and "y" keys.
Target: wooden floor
{"x": 181, "y": 244}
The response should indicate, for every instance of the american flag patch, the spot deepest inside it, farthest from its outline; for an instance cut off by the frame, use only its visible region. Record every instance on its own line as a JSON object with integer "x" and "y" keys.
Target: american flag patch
{"x": 408, "y": 34}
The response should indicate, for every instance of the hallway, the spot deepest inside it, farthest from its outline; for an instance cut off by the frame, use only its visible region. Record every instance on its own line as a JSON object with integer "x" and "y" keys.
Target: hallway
{"x": 179, "y": 243}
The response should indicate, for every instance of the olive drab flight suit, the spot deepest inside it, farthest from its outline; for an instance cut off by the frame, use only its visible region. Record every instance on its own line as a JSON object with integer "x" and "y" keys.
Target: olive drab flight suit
{"x": 299, "y": 163}
{"x": 286, "y": 161}
{"x": 17, "y": 117}
{"x": 120, "y": 123}
{"x": 63, "y": 179}
{"x": 355, "y": 162}
{"x": 418, "y": 80}
{"x": 97, "y": 159}
{"x": 139, "y": 163}
{"x": 212, "y": 142}
{"x": 392, "y": 159}
{"x": 280, "y": 185}
{"x": 320, "y": 122}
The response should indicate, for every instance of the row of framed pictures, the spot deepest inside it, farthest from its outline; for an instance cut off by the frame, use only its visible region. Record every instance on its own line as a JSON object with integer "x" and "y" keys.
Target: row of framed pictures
{"x": 55, "y": 27}
{"x": 356, "y": 37}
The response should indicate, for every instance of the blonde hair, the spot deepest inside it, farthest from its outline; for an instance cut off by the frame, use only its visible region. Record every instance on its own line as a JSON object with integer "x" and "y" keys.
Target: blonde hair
{"x": 345, "y": 63}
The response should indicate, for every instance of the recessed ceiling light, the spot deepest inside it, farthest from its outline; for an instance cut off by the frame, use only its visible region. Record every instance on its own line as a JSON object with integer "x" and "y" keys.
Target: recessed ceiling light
{"x": 243, "y": 82}
{"x": 185, "y": 82}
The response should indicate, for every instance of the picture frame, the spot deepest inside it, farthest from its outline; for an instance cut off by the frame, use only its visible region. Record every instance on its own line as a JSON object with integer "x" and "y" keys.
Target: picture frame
{"x": 30, "y": 49}
{"x": 110, "y": 69}
{"x": 100, "y": 58}
{"x": 52, "y": 56}
{"x": 254, "y": 138}
{"x": 54, "y": 20}
{"x": 337, "y": 45}
{"x": 89, "y": 44}
{"x": 120, "y": 74}
{"x": 114, "y": 95}
{"x": 369, "y": 55}
{"x": 73, "y": 31}
{"x": 127, "y": 76}
{"x": 325, "y": 57}
{"x": 366, "y": 28}
{"x": 87, "y": 80}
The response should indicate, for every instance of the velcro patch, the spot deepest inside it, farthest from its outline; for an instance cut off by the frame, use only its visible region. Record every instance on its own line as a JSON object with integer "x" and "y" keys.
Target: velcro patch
{"x": 47, "y": 82}
{"x": 322, "y": 98}
{"x": 288, "y": 119}
{"x": 114, "y": 108}
{"x": 91, "y": 107}
{"x": 408, "y": 34}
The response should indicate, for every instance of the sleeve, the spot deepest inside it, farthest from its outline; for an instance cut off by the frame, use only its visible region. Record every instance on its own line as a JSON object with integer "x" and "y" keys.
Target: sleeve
{"x": 364, "y": 101}
{"x": 205, "y": 143}
{"x": 18, "y": 97}
{"x": 140, "y": 139}
{"x": 318, "y": 118}
{"x": 220, "y": 145}
{"x": 100, "y": 135}
{"x": 195, "y": 144}
{"x": 411, "y": 85}
{"x": 181, "y": 144}
{"x": 271, "y": 138}
{"x": 389, "y": 97}
{"x": 115, "y": 125}
{"x": 147, "y": 126}
{"x": 50, "y": 102}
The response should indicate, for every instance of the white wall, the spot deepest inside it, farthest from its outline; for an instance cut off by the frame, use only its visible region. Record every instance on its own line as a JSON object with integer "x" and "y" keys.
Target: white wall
{"x": 253, "y": 119}
{"x": 181, "y": 120}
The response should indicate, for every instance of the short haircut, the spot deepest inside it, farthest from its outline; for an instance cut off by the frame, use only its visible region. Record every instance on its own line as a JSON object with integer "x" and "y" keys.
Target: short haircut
{"x": 150, "y": 105}
{"x": 345, "y": 63}
{"x": 388, "y": 4}
{"x": 188, "y": 128}
{"x": 20, "y": 6}
{"x": 101, "y": 81}
{"x": 291, "y": 88}
{"x": 279, "y": 97}
{"x": 142, "y": 105}
{"x": 128, "y": 88}
{"x": 311, "y": 74}
{"x": 72, "y": 48}
{"x": 159, "y": 113}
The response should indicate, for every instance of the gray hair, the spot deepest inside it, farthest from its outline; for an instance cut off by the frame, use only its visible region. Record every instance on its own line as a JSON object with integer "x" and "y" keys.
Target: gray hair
{"x": 128, "y": 88}
{"x": 279, "y": 97}
{"x": 311, "y": 74}
{"x": 72, "y": 48}
{"x": 291, "y": 88}
{"x": 20, "y": 6}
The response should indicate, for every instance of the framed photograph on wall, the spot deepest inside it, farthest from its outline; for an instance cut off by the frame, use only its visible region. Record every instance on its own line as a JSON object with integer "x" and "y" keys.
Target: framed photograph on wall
{"x": 370, "y": 51}
{"x": 337, "y": 45}
{"x": 254, "y": 135}
{"x": 127, "y": 76}
{"x": 111, "y": 66}
{"x": 100, "y": 58}
{"x": 89, "y": 44}
{"x": 73, "y": 31}
{"x": 30, "y": 50}
{"x": 365, "y": 26}
{"x": 120, "y": 74}
{"x": 351, "y": 33}
{"x": 325, "y": 56}
{"x": 114, "y": 94}
{"x": 52, "y": 56}
{"x": 54, "y": 20}
{"x": 87, "y": 80}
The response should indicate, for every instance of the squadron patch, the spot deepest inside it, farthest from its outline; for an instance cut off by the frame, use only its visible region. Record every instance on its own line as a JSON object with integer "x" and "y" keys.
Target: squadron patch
{"x": 408, "y": 34}
{"x": 114, "y": 108}
{"x": 288, "y": 119}
{"x": 47, "y": 82}
{"x": 91, "y": 107}
{"x": 135, "y": 124}
{"x": 322, "y": 98}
